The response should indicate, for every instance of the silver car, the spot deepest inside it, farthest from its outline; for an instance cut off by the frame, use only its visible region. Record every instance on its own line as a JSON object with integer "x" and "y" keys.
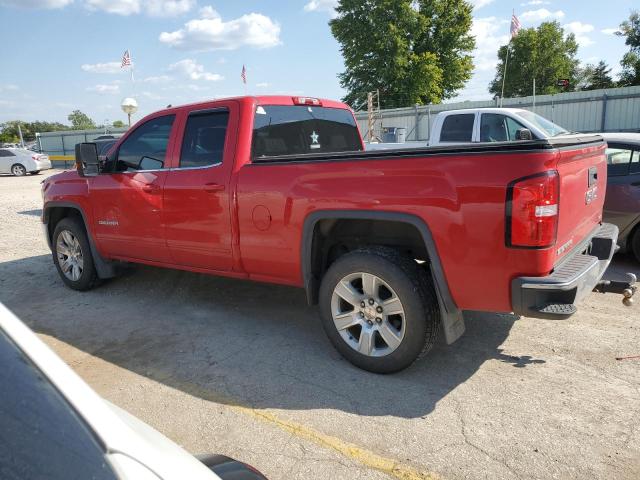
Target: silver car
{"x": 20, "y": 161}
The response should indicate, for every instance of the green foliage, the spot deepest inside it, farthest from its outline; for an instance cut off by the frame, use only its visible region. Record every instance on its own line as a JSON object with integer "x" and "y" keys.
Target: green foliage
{"x": 593, "y": 77}
{"x": 9, "y": 130}
{"x": 118, "y": 124}
{"x": 630, "y": 62}
{"x": 543, "y": 53}
{"x": 414, "y": 52}
{"x": 80, "y": 121}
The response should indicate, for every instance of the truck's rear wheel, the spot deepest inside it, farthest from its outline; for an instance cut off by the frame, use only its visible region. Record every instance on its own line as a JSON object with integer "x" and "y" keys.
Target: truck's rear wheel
{"x": 379, "y": 309}
{"x": 72, "y": 255}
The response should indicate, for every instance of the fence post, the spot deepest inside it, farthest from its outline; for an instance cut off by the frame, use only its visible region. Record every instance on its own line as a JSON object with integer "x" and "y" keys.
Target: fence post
{"x": 603, "y": 121}
{"x": 417, "y": 127}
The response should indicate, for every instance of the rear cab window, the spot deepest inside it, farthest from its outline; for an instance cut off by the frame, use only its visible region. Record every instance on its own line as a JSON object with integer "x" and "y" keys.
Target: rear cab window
{"x": 303, "y": 129}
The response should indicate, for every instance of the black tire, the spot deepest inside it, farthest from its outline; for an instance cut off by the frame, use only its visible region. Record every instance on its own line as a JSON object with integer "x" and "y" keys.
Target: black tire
{"x": 89, "y": 277}
{"x": 37, "y": 172}
{"x": 18, "y": 170}
{"x": 414, "y": 288}
{"x": 634, "y": 243}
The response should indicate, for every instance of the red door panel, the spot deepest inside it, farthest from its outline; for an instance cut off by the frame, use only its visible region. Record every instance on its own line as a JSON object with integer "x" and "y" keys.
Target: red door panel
{"x": 196, "y": 194}
{"x": 128, "y": 214}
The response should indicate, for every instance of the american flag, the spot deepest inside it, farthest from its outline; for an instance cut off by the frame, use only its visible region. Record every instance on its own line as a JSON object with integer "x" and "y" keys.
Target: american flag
{"x": 515, "y": 25}
{"x": 126, "y": 59}
{"x": 243, "y": 75}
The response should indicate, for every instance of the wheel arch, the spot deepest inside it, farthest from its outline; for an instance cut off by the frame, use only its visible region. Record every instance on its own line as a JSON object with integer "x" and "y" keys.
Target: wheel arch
{"x": 312, "y": 252}
{"x": 55, "y": 211}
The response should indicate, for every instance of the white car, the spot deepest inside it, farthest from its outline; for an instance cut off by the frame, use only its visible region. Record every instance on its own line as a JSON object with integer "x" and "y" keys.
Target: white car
{"x": 20, "y": 161}
{"x": 54, "y": 426}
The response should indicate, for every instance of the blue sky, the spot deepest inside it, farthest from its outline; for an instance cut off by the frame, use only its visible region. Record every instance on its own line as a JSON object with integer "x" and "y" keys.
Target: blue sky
{"x": 61, "y": 55}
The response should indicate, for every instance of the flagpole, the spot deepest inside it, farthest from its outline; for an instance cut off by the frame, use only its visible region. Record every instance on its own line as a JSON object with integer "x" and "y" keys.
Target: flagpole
{"x": 504, "y": 74}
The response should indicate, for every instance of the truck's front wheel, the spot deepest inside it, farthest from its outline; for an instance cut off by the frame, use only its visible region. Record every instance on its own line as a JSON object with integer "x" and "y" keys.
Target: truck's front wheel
{"x": 72, "y": 255}
{"x": 379, "y": 309}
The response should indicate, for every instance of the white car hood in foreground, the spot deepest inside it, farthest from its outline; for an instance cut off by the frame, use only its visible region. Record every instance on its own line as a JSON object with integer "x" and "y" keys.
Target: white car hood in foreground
{"x": 135, "y": 450}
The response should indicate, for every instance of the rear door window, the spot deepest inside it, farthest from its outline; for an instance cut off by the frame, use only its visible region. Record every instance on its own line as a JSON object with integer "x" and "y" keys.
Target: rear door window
{"x": 203, "y": 143}
{"x": 457, "y": 128}
{"x": 6, "y": 153}
{"x": 618, "y": 160}
{"x": 302, "y": 129}
{"x": 635, "y": 162}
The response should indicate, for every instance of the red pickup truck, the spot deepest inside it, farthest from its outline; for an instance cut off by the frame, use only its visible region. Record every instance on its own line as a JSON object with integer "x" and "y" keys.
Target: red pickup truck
{"x": 393, "y": 245}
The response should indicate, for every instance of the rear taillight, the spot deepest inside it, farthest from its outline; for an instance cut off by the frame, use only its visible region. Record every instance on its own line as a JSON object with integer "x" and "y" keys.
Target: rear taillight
{"x": 35, "y": 157}
{"x": 532, "y": 211}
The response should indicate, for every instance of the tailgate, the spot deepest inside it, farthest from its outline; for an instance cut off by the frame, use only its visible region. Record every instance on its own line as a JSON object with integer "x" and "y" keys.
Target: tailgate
{"x": 583, "y": 183}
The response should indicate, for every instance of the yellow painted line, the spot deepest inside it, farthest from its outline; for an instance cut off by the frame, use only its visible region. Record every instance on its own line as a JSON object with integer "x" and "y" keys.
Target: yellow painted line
{"x": 60, "y": 158}
{"x": 358, "y": 454}
{"x": 349, "y": 450}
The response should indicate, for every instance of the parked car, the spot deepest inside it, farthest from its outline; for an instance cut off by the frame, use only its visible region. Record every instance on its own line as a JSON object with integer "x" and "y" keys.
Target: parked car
{"x": 622, "y": 202}
{"x": 475, "y": 125}
{"x": 54, "y": 426}
{"x": 20, "y": 161}
{"x": 391, "y": 244}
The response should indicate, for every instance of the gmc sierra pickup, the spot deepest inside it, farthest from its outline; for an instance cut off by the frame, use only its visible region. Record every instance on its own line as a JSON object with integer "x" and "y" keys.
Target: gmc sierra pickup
{"x": 393, "y": 245}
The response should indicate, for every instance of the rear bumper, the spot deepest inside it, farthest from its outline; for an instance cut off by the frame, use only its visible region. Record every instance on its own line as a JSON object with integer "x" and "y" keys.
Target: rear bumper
{"x": 555, "y": 296}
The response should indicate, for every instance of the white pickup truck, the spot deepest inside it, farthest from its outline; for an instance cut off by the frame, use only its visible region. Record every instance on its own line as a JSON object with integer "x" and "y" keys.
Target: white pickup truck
{"x": 472, "y": 125}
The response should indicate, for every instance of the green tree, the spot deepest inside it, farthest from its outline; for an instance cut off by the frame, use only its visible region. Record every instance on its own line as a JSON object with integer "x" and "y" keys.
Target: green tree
{"x": 9, "y": 130}
{"x": 118, "y": 124}
{"x": 80, "y": 121}
{"x": 414, "y": 52}
{"x": 543, "y": 53}
{"x": 630, "y": 62}
{"x": 595, "y": 77}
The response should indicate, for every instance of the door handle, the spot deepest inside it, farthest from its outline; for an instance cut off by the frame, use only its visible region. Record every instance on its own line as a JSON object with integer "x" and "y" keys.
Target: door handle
{"x": 635, "y": 184}
{"x": 213, "y": 187}
{"x": 150, "y": 188}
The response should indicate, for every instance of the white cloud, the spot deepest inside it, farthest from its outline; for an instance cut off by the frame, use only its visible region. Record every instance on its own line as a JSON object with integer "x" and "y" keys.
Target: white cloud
{"x": 262, "y": 85}
{"x": 477, "y": 4}
{"x": 105, "y": 89}
{"x": 541, "y": 14}
{"x": 609, "y": 31}
{"x": 157, "y": 79}
{"x": 579, "y": 29}
{"x": 490, "y": 34}
{"x": 7, "y": 87}
{"x": 109, "y": 67}
{"x": 210, "y": 32}
{"x": 321, "y": 6}
{"x": 119, "y": 7}
{"x": 194, "y": 71}
{"x": 154, "y": 8}
{"x": 535, "y": 2}
{"x": 49, "y": 4}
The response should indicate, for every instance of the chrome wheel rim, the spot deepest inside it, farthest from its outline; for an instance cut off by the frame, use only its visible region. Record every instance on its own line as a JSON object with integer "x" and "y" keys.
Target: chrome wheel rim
{"x": 19, "y": 170}
{"x": 368, "y": 314}
{"x": 69, "y": 255}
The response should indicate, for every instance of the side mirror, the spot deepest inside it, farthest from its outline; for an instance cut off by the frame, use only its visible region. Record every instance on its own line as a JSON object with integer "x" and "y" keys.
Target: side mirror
{"x": 87, "y": 162}
{"x": 524, "y": 134}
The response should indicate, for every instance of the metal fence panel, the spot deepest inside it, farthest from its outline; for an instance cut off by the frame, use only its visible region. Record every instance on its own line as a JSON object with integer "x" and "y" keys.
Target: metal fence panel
{"x": 612, "y": 109}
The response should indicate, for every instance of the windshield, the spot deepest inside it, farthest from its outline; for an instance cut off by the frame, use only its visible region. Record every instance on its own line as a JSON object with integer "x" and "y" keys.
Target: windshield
{"x": 548, "y": 127}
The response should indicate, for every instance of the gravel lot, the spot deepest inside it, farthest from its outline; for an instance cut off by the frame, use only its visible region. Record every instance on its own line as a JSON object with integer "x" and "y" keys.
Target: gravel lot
{"x": 244, "y": 369}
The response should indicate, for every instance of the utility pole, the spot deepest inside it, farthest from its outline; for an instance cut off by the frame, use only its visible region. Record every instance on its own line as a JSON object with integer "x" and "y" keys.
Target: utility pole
{"x": 20, "y": 133}
{"x": 374, "y": 115}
